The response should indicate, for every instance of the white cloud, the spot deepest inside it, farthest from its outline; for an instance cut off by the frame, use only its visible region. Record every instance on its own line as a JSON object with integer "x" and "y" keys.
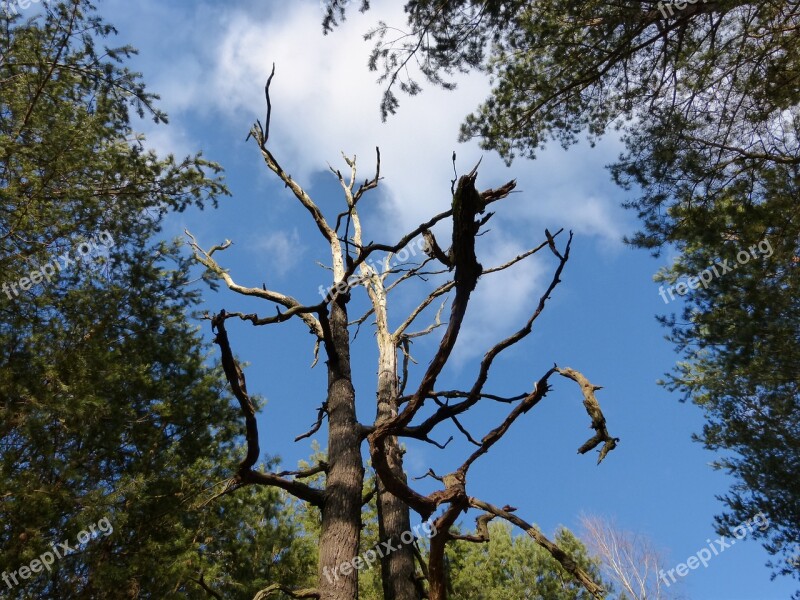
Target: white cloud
{"x": 284, "y": 250}
{"x": 326, "y": 101}
{"x": 168, "y": 140}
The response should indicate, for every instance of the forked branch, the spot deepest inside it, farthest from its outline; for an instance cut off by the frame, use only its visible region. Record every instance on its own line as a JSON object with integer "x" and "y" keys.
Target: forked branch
{"x": 245, "y": 472}
{"x": 595, "y": 413}
{"x": 293, "y": 306}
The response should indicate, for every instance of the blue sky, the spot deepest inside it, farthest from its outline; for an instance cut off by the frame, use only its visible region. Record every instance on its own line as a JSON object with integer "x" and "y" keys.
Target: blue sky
{"x": 209, "y": 62}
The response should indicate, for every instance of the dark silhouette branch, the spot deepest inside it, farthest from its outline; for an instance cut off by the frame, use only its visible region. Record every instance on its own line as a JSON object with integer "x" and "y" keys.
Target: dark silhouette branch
{"x": 208, "y": 590}
{"x": 321, "y": 412}
{"x": 446, "y": 412}
{"x": 245, "y": 472}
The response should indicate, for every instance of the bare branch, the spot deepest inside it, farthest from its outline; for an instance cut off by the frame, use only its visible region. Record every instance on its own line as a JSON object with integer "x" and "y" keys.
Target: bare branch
{"x": 228, "y": 486}
{"x": 437, "y": 322}
{"x": 370, "y": 184}
{"x": 460, "y": 427}
{"x": 279, "y": 317}
{"x": 629, "y": 559}
{"x": 481, "y": 530}
{"x": 521, "y": 257}
{"x": 446, "y": 287}
{"x": 564, "y": 559}
{"x": 405, "y": 347}
{"x": 445, "y": 413}
{"x": 440, "y": 291}
{"x": 593, "y": 409}
{"x": 295, "y": 307}
{"x": 261, "y": 137}
{"x": 299, "y": 193}
{"x": 413, "y": 272}
{"x": 460, "y": 394}
{"x": 433, "y": 250}
{"x": 487, "y": 197}
{"x": 366, "y": 498}
{"x": 202, "y": 583}
{"x": 420, "y": 560}
{"x": 320, "y": 467}
{"x": 467, "y": 203}
{"x": 321, "y": 412}
{"x": 437, "y": 573}
{"x": 236, "y": 379}
{"x": 490, "y": 439}
{"x": 430, "y": 473}
{"x": 435, "y": 443}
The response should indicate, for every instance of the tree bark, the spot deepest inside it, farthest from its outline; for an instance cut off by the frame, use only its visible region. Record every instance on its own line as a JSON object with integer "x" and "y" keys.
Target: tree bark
{"x": 397, "y": 568}
{"x": 341, "y": 511}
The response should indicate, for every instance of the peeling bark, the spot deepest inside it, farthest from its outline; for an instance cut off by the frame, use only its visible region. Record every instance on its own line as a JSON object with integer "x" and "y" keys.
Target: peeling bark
{"x": 397, "y": 568}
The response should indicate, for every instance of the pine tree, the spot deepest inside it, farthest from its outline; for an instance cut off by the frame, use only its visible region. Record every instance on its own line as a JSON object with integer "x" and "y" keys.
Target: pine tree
{"x": 110, "y": 416}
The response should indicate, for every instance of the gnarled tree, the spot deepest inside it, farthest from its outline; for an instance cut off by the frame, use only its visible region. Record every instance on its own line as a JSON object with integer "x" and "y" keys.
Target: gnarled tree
{"x": 708, "y": 97}
{"x": 398, "y": 417}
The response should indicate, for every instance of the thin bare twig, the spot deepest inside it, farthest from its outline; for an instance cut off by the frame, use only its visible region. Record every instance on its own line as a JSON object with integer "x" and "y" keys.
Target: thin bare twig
{"x": 564, "y": 559}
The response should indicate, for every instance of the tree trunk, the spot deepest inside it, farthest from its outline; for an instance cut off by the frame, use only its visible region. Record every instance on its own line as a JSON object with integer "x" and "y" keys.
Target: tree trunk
{"x": 397, "y": 568}
{"x": 341, "y": 513}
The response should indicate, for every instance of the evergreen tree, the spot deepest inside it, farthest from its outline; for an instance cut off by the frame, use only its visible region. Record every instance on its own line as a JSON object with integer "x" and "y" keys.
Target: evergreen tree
{"x": 516, "y": 567}
{"x": 109, "y": 416}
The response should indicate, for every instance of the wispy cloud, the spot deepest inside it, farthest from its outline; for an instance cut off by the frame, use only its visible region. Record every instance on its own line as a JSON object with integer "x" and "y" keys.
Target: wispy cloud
{"x": 279, "y": 252}
{"x": 326, "y": 101}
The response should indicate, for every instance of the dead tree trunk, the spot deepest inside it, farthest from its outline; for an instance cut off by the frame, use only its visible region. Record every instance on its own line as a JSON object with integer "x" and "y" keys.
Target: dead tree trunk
{"x": 398, "y": 416}
{"x": 397, "y": 568}
{"x": 341, "y": 512}
{"x": 340, "y": 501}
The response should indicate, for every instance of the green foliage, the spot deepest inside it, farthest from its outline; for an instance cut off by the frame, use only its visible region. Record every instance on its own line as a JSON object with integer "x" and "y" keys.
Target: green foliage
{"x": 254, "y": 540}
{"x": 730, "y": 193}
{"x": 107, "y": 407}
{"x": 562, "y": 67}
{"x": 740, "y": 341}
{"x": 516, "y": 567}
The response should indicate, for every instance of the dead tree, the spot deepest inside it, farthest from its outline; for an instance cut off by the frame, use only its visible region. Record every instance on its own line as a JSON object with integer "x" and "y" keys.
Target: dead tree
{"x": 352, "y": 267}
{"x": 468, "y": 205}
